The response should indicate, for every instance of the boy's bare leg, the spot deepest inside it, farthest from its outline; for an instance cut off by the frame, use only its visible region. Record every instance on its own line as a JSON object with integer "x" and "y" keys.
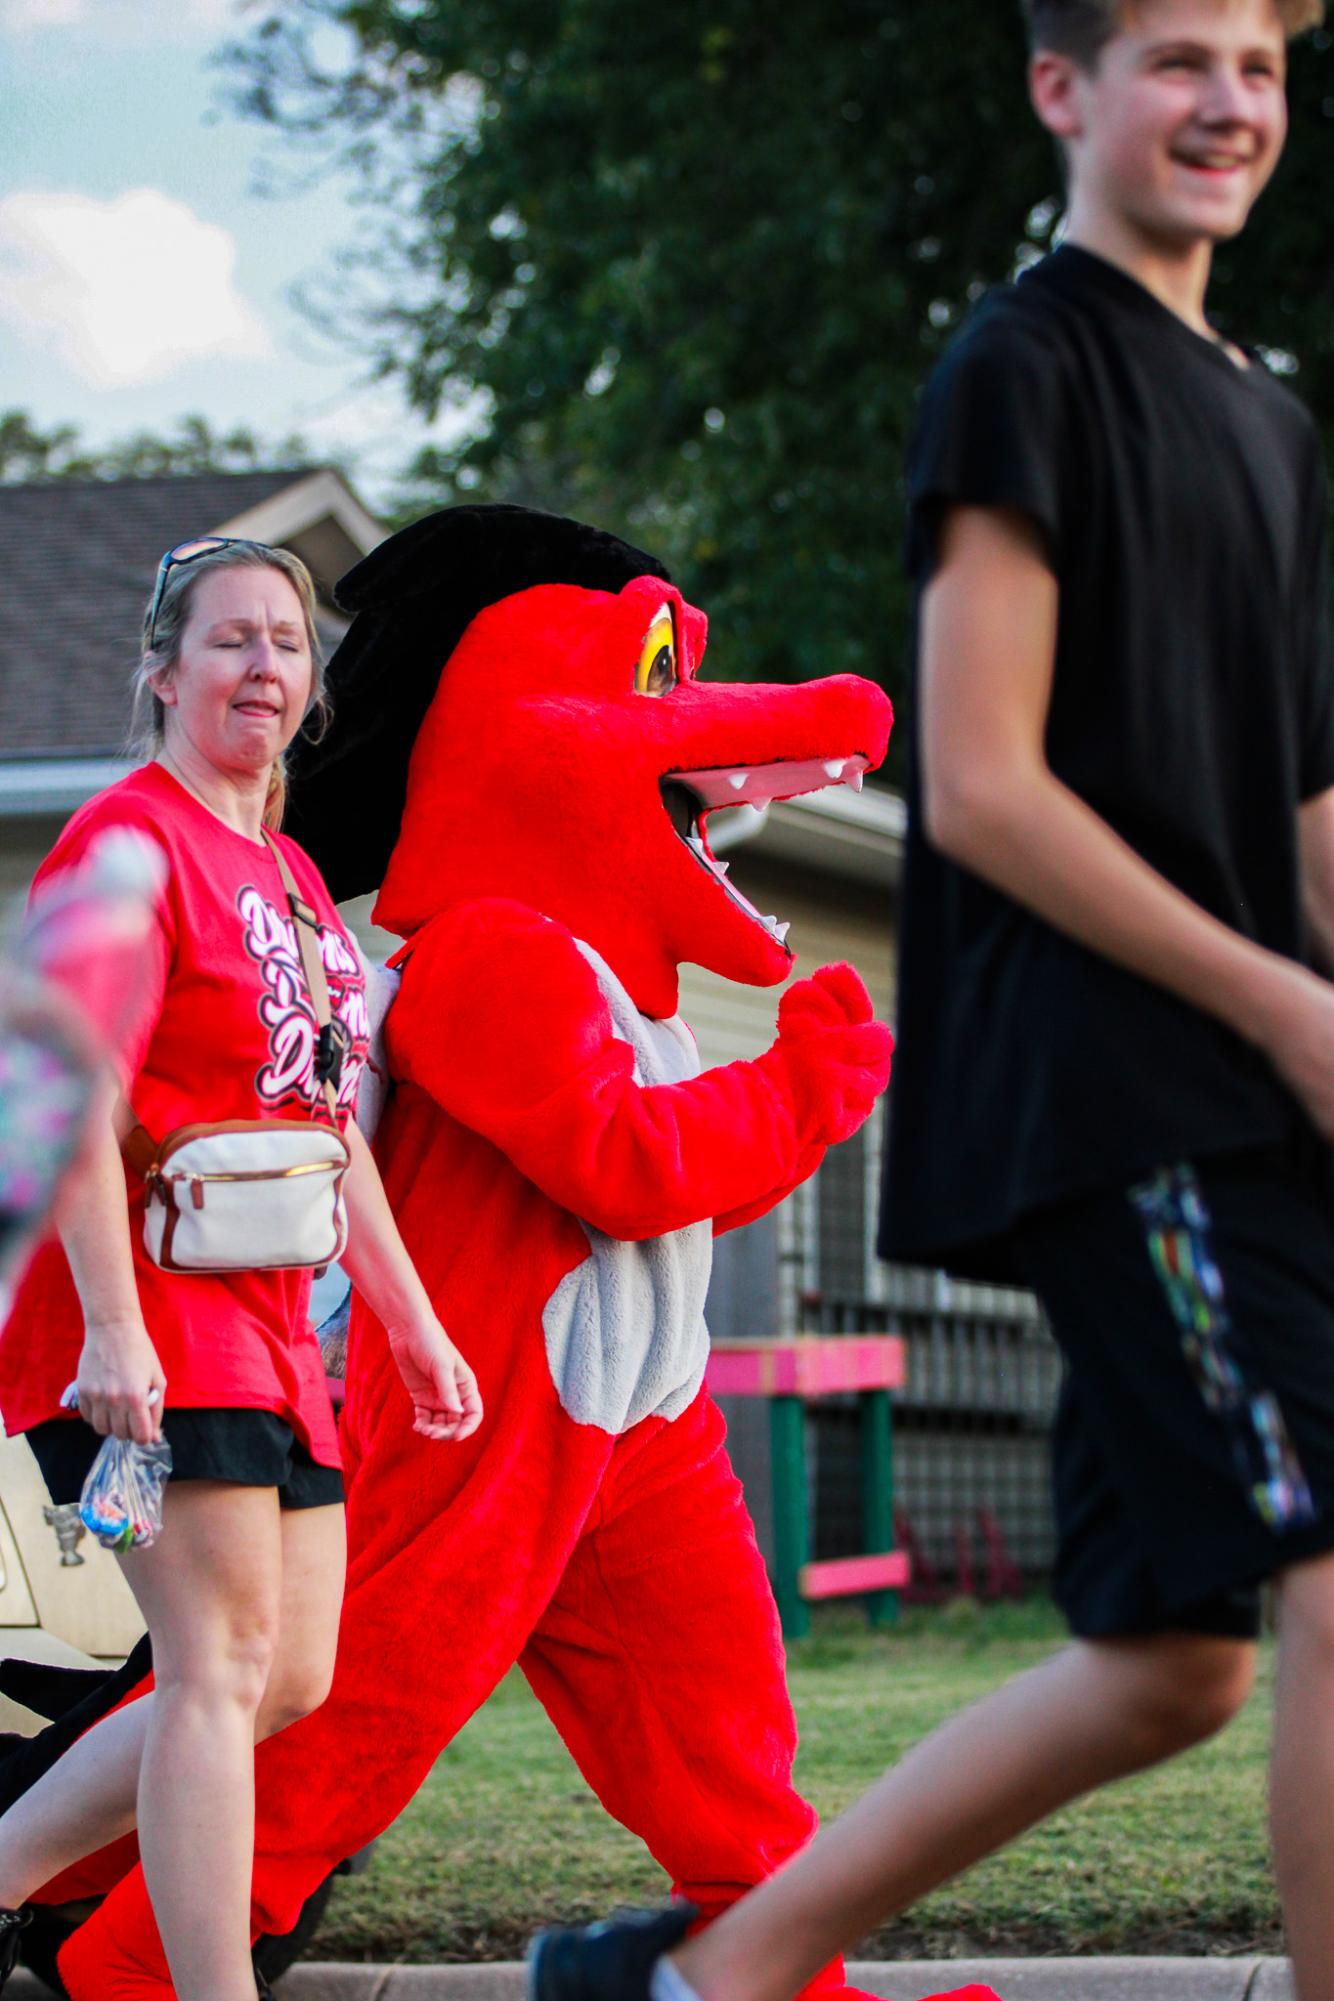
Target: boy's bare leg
{"x": 1097, "y": 1711}
{"x": 1302, "y": 1775}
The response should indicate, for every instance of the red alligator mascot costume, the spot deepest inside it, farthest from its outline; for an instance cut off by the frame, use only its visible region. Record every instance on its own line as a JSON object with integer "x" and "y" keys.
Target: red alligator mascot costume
{"x": 524, "y": 759}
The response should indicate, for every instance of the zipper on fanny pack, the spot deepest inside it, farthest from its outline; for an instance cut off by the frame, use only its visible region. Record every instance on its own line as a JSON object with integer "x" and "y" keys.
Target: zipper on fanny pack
{"x": 156, "y": 1181}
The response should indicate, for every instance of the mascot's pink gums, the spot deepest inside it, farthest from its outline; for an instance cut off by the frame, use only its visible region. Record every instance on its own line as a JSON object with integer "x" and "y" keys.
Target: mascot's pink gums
{"x": 524, "y": 760}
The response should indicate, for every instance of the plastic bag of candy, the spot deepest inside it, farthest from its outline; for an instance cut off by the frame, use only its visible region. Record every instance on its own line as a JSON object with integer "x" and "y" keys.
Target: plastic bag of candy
{"x": 121, "y": 1503}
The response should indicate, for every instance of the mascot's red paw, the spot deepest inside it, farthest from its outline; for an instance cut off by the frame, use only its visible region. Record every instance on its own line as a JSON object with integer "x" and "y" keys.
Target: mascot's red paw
{"x": 116, "y": 1955}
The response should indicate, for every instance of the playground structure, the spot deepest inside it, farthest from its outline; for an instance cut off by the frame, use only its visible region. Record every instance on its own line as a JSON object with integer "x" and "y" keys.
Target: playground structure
{"x": 792, "y": 1375}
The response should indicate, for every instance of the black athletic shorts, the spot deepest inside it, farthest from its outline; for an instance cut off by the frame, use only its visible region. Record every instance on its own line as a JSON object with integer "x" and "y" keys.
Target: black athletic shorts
{"x": 1193, "y": 1454}
{"x": 250, "y": 1448}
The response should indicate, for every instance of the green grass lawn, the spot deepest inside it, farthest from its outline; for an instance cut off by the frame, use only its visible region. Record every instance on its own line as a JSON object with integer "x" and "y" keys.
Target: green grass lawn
{"x": 504, "y": 1835}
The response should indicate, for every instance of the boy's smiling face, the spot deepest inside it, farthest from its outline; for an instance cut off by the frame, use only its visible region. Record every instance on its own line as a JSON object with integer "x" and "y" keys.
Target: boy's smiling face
{"x": 1176, "y": 129}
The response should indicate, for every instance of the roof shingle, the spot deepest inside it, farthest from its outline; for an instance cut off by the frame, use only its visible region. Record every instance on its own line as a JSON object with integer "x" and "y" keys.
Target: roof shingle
{"x": 76, "y": 565}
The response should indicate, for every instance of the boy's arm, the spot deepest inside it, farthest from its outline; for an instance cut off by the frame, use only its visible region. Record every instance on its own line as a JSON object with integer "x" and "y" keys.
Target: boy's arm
{"x": 1315, "y": 830}
{"x": 1315, "y": 816}
{"x": 993, "y": 804}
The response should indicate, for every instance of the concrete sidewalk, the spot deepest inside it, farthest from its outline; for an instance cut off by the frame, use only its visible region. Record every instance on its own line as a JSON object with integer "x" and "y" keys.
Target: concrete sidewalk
{"x": 905, "y": 1980}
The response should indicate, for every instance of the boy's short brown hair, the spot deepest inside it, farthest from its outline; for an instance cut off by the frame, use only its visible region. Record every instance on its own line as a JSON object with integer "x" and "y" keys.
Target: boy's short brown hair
{"x": 1081, "y": 28}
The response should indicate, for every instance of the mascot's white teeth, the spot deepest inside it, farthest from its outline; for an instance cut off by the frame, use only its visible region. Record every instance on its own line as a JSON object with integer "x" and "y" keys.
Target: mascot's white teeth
{"x": 760, "y": 784}
{"x": 697, "y": 848}
{"x": 845, "y": 771}
{"x": 717, "y": 869}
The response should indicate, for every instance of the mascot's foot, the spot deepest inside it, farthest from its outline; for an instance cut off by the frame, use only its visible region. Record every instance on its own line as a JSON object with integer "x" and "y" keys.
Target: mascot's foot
{"x": 12, "y": 1924}
{"x": 612, "y": 1961}
{"x": 116, "y": 1955}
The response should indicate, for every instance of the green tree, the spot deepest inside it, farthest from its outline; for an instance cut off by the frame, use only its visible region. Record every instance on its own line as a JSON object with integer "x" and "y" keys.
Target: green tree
{"x": 697, "y": 258}
{"x": 29, "y": 454}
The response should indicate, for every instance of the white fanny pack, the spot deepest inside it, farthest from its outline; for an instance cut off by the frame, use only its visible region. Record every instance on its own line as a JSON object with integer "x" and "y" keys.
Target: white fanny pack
{"x": 253, "y": 1194}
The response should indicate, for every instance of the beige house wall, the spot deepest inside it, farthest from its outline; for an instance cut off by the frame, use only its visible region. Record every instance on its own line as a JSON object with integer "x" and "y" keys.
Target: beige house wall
{"x": 831, "y": 919}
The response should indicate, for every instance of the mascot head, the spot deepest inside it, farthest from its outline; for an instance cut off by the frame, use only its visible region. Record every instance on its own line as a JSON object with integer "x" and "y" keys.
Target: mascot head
{"x": 517, "y": 713}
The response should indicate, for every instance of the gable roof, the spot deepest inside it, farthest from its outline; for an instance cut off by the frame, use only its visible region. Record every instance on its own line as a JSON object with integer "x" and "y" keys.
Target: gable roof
{"x": 77, "y": 560}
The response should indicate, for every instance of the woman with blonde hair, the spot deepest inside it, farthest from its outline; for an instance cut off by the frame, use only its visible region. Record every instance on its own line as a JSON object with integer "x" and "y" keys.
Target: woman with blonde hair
{"x": 241, "y": 1592}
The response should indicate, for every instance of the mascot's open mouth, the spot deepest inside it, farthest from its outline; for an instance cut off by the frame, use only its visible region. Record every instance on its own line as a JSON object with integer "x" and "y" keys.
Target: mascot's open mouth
{"x": 689, "y": 797}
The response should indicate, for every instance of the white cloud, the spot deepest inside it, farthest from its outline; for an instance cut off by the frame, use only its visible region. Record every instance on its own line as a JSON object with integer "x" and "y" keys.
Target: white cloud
{"x": 121, "y": 20}
{"x": 126, "y": 290}
{"x": 21, "y": 14}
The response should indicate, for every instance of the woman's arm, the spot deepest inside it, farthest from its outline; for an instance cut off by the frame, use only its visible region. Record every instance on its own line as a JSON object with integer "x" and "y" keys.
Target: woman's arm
{"x": 992, "y": 803}
{"x": 442, "y": 1386}
{"x": 120, "y": 1378}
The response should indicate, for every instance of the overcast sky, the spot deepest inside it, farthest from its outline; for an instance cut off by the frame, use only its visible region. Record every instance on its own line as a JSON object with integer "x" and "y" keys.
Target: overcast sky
{"x": 141, "y": 277}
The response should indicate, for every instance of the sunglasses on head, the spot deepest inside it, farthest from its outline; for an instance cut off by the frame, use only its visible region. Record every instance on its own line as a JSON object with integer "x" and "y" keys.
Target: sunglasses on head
{"x": 187, "y": 552}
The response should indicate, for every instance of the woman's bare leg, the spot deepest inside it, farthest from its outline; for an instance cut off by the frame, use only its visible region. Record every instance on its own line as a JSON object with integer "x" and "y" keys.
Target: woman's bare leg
{"x": 90, "y": 1797}
{"x": 1096, "y": 1711}
{"x": 84, "y": 1801}
{"x": 314, "y": 1552}
{"x": 209, "y": 1590}
{"x": 246, "y": 1553}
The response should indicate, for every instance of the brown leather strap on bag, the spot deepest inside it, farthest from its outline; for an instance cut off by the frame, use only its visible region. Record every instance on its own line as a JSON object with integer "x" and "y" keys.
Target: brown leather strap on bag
{"x": 307, "y": 927}
{"x": 136, "y": 1142}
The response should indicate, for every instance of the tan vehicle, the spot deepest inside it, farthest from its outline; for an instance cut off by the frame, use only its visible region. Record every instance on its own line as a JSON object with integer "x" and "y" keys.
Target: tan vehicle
{"x": 62, "y": 1597}
{"x": 63, "y": 1603}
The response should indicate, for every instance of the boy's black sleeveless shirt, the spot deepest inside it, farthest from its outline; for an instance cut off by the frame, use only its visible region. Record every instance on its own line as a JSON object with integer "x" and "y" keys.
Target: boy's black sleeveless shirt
{"x": 1182, "y": 500}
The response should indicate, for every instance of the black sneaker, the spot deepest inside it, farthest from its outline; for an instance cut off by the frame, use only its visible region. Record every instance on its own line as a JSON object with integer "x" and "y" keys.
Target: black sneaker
{"x": 11, "y": 1924}
{"x": 611, "y": 1961}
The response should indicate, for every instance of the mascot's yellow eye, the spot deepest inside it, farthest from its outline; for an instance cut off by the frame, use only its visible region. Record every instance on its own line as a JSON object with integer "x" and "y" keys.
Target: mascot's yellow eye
{"x": 656, "y": 672}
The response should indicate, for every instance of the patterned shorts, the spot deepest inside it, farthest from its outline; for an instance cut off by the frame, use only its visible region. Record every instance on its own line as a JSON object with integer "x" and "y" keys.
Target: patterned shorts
{"x": 1193, "y": 1455}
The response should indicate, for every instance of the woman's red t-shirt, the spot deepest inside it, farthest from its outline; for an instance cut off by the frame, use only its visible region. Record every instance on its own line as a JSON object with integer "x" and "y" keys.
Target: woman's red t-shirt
{"x": 222, "y": 1027}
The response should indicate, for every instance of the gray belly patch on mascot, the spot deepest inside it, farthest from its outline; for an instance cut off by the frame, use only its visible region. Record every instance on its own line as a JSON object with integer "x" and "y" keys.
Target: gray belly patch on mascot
{"x": 625, "y": 1332}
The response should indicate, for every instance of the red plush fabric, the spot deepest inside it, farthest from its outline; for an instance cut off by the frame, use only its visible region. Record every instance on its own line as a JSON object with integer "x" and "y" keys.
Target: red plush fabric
{"x": 621, "y": 1572}
{"x": 536, "y": 776}
{"x": 553, "y": 1088}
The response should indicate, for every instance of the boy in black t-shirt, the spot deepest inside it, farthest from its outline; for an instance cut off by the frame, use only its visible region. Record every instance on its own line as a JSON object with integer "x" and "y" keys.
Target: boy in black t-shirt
{"x": 1115, "y": 1076}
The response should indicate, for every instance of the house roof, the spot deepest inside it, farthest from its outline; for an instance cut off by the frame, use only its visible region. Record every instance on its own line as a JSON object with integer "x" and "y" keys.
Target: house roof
{"x": 77, "y": 560}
